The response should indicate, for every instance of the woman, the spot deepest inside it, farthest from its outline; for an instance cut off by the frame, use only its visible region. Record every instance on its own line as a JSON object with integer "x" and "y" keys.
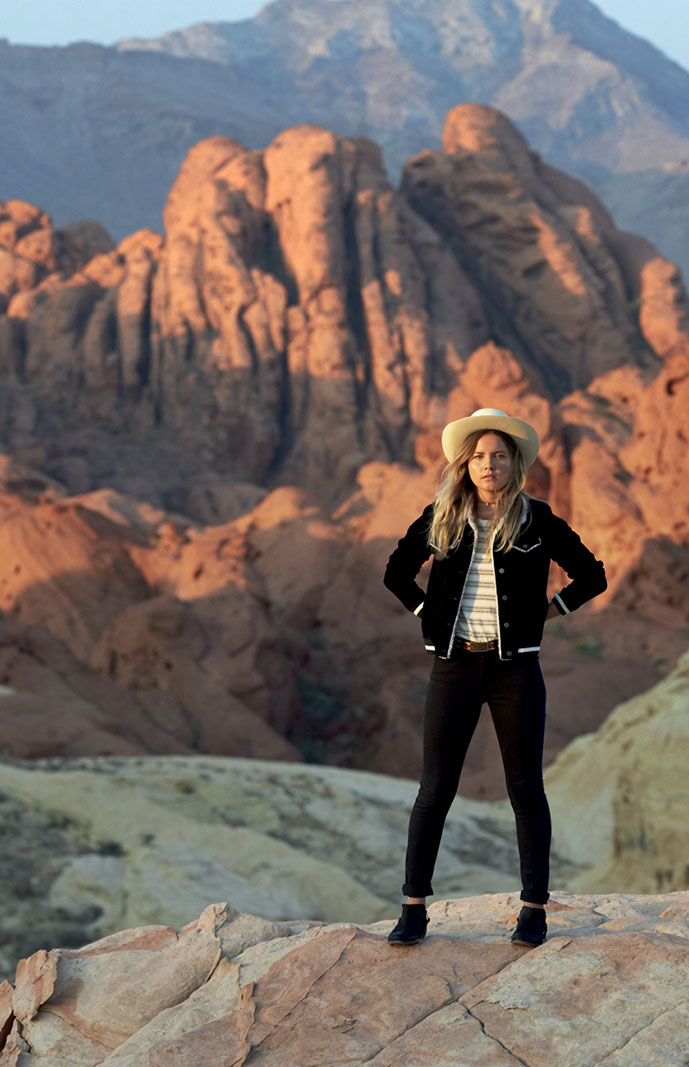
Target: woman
{"x": 482, "y": 618}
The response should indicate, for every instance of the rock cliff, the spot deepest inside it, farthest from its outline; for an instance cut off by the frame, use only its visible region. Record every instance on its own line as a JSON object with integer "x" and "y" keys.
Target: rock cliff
{"x": 302, "y": 317}
{"x": 229, "y": 989}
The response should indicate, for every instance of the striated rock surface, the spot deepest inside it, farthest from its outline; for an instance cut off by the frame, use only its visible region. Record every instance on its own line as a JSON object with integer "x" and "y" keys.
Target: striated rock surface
{"x": 229, "y": 989}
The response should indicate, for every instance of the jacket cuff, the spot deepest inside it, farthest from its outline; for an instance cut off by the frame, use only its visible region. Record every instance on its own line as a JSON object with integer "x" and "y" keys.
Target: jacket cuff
{"x": 560, "y": 605}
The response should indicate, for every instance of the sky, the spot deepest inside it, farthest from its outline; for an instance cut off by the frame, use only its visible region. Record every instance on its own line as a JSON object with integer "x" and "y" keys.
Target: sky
{"x": 663, "y": 22}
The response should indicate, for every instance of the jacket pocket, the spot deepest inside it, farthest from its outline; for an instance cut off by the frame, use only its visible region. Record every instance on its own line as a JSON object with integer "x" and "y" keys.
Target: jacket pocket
{"x": 528, "y": 548}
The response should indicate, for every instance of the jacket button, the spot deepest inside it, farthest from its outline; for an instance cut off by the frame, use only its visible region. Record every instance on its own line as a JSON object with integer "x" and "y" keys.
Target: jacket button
{"x": 503, "y": 597}
{"x": 506, "y": 625}
{"x": 508, "y": 653}
{"x": 501, "y": 570}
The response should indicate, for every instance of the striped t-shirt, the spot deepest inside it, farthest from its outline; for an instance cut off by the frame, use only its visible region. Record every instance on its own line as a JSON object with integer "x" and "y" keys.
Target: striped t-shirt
{"x": 478, "y": 616}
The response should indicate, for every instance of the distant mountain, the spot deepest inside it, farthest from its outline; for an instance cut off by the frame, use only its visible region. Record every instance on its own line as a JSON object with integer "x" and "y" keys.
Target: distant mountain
{"x": 101, "y": 131}
{"x": 581, "y": 88}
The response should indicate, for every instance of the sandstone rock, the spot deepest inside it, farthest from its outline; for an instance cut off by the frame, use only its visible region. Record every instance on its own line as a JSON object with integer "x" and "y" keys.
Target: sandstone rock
{"x": 341, "y": 994}
{"x": 540, "y": 258}
{"x": 617, "y": 794}
{"x": 64, "y": 568}
{"x": 589, "y": 980}
{"x": 53, "y": 703}
{"x": 128, "y": 860}
{"x": 114, "y": 987}
{"x": 342, "y": 363}
{"x": 78, "y": 243}
{"x": 185, "y": 658}
{"x": 30, "y": 249}
{"x": 160, "y": 651}
{"x": 34, "y": 984}
{"x": 6, "y": 1013}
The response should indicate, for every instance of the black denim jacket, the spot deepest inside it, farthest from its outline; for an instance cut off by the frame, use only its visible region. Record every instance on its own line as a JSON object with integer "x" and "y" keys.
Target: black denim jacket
{"x": 521, "y": 578}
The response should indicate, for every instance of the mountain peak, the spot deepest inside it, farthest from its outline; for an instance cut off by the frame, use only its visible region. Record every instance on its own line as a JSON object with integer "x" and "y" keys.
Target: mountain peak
{"x": 590, "y": 97}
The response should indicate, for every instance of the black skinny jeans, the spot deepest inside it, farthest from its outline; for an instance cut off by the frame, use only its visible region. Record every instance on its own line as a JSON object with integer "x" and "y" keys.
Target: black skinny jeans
{"x": 515, "y": 694}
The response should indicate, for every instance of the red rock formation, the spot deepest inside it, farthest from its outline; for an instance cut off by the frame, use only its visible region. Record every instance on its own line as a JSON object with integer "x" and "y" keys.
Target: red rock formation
{"x": 304, "y": 324}
{"x": 30, "y": 249}
{"x": 178, "y": 621}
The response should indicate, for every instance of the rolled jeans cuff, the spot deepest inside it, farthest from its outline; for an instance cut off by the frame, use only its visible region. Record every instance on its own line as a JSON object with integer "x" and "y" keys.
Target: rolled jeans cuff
{"x": 536, "y": 898}
{"x": 409, "y": 890}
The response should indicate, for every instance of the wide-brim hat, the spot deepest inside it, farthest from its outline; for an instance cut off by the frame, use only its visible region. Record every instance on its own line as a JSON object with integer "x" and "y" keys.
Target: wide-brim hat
{"x": 523, "y": 435}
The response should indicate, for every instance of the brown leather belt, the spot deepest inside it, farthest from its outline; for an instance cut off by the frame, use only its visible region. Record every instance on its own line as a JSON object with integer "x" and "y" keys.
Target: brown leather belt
{"x": 475, "y": 646}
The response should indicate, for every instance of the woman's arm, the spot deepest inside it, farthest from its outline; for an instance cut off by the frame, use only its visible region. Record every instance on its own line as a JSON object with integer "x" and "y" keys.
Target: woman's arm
{"x": 578, "y": 562}
{"x": 407, "y": 560}
{"x": 553, "y": 611}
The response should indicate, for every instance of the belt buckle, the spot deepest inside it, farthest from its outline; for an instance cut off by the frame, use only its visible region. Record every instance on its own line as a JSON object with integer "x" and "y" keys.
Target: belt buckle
{"x": 480, "y": 646}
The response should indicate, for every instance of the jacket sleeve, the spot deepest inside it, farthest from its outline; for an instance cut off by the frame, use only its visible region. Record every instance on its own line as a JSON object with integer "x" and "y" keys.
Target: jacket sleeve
{"x": 580, "y": 564}
{"x": 407, "y": 560}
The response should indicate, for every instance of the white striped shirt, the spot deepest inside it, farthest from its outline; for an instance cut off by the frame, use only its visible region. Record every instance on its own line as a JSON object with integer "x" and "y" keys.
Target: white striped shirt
{"x": 477, "y": 619}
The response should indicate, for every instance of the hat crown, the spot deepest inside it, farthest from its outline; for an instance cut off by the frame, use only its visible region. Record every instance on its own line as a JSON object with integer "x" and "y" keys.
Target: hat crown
{"x": 487, "y": 420}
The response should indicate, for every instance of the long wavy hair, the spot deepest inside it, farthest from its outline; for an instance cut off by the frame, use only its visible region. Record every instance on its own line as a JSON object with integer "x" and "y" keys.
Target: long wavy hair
{"x": 456, "y": 499}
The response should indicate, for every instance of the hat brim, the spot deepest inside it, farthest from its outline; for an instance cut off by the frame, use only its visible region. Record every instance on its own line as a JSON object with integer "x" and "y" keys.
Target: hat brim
{"x": 523, "y": 435}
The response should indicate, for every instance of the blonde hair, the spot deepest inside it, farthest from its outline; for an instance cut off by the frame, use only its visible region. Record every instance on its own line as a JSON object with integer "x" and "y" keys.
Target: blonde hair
{"x": 456, "y": 499}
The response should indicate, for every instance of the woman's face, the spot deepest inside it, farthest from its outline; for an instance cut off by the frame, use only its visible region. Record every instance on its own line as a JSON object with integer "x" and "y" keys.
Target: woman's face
{"x": 491, "y": 465}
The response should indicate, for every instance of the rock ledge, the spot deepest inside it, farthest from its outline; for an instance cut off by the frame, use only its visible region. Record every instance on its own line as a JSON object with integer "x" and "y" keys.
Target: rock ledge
{"x": 231, "y": 989}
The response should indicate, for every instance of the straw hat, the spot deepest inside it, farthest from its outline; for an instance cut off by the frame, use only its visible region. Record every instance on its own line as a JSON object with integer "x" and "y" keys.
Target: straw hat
{"x": 523, "y": 435}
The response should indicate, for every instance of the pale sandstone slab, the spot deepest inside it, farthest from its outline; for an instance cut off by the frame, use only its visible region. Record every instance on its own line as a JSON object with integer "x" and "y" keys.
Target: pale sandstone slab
{"x": 15, "y": 1047}
{"x": 345, "y": 995}
{"x": 219, "y": 997}
{"x": 619, "y": 796}
{"x": 492, "y": 917}
{"x": 577, "y": 1001}
{"x": 334, "y": 997}
{"x": 339, "y": 995}
{"x": 664, "y": 1042}
{"x": 54, "y": 1040}
{"x": 213, "y": 1043}
{"x": 211, "y": 1005}
{"x": 450, "y": 1037}
{"x": 34, "y": 983}
{"x": 108, "y": 992}
{"x": 176, "y": 850}
{"x": 6, "y": 1010}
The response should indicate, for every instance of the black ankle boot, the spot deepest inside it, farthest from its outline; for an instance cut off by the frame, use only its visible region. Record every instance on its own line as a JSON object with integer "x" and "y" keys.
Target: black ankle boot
{"x": 411, "y": 926}
{"x": 531, "y": 927}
